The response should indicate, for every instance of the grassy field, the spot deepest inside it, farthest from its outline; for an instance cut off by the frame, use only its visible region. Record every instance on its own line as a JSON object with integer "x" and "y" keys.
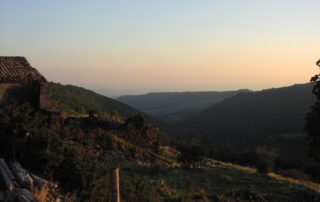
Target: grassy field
{"x": 219, "y": 181}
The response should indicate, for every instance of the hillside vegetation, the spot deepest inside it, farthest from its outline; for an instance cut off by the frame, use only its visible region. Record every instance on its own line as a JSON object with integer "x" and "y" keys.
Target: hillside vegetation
{"x": 76, "y": 100}
{"x": 80, "y": 154}
{"x": 219, "y": 181}
{"x": 267, "y": 112}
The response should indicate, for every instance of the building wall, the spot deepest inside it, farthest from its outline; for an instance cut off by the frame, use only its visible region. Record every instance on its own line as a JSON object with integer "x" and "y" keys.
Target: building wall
{"x": 4, "y": 87}
{"x": 21, "y": 93}
{"x": 37, "y": 94}
{"x": 46, "y": 102}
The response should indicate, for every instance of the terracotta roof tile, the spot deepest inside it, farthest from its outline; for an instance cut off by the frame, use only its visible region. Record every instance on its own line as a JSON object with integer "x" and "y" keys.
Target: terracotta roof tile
{"x": 18, "y": 70}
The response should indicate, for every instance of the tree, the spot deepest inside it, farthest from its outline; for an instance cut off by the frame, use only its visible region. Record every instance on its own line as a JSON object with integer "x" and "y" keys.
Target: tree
{"x": 191, "y": 155}
{"x": 136, "y": 122}
{"x": 313, "y": 120}
{"x": 265, "y": 159}
{"x": 17, "y": 122}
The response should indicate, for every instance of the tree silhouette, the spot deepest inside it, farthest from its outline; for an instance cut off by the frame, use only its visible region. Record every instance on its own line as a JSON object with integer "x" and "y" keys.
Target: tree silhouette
{"x": 313, "y": 120}
{"x": 191, "y": 156}
{"x": 136, "y": 122}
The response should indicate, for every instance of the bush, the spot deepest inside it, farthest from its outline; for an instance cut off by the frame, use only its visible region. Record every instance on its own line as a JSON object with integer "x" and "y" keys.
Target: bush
{"x": 191, "y": 156}
{"x": 53, "y": 156}
{"x": 17, "y": 122}
{"x": 265, "y": 159}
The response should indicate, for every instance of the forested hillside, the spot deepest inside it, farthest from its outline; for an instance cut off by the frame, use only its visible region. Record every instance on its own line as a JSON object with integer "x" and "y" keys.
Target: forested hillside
{"x": 267, "y": 112}
{"x": 275, "y": 118}
{"x": 76, "y": 100}
{"x": 80, "y": 154}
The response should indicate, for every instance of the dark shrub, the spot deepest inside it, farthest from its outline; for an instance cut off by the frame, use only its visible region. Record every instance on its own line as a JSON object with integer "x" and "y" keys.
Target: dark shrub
{"x": 313, "y": 120}
{"x": 265, "y": 159}
{"x": 191, "y": 156}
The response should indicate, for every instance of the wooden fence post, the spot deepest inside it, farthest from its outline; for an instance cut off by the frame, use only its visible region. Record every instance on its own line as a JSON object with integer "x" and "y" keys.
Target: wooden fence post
{"x": 115, "y": 185}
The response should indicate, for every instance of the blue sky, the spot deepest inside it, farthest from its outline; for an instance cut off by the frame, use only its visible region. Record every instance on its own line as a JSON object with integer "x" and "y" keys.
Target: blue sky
{"x": 120, "y": 47}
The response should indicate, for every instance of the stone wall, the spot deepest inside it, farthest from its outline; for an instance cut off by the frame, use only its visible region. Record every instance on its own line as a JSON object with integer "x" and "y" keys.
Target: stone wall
{"x": 35, "y": 93}
{"x": 45, "y": 101}
{"x": 4, "y": 87}
{"x": 24, "y": 93}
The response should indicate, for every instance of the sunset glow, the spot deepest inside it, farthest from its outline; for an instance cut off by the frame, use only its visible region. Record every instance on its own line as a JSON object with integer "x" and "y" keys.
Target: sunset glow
{"x": 130, "y": 47}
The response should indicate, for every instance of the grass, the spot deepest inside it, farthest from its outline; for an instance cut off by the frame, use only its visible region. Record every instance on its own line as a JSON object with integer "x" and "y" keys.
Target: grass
{"x": 147, "y": 153}
{"x": 214, "y": 181}
{"x": 219, "y": 181}
{"x": 308, "y": 184}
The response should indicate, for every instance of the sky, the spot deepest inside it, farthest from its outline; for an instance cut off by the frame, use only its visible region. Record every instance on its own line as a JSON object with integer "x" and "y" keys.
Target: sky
{"x": 133, "y": 47}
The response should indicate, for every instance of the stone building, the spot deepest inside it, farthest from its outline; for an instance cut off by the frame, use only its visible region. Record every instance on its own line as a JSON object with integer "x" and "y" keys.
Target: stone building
{"x": 20, "y": 82}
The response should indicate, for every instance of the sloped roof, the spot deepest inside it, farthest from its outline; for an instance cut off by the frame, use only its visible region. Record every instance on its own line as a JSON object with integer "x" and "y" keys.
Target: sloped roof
{"x": 18, "y": 70}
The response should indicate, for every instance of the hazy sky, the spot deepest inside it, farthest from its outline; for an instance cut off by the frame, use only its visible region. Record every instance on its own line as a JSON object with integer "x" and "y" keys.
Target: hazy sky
{"x": 134, "y": 46}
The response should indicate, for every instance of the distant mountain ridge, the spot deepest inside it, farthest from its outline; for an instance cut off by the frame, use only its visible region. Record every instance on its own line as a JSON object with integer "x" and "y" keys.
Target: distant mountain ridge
{"x": 266, "y": 112}
{"x": 166, "y": 103}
